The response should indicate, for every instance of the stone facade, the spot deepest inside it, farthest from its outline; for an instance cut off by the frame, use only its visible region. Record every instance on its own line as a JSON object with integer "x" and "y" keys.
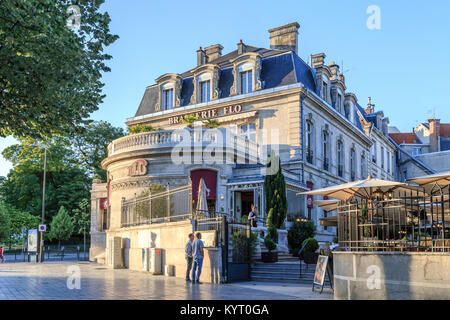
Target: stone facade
{"x": 267, "y": 99}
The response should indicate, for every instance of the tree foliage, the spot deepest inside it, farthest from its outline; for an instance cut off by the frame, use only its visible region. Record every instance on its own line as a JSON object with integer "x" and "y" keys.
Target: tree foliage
{"x": 50, "y": 74}
{"x": 71, "y": 164}
{"x": 82, "y": 217}
{"x": 62, "y": 226}
{"x": 276, "y": 201}
{"x": 299, "y": 232}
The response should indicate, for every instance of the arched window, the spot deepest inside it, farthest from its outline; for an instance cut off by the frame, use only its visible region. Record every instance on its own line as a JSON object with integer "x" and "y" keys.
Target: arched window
{"x": 309, "y": 142}
{"x": 340, "y": 158}
{"x": 326, "y": 150}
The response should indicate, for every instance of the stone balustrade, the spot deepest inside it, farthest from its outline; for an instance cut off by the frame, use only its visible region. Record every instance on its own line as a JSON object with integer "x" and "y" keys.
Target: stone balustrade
{"x": 218, "y": 137}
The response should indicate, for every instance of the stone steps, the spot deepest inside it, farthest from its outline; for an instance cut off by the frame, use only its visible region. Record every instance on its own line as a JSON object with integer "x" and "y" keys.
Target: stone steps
{"x": 285, "y": 272}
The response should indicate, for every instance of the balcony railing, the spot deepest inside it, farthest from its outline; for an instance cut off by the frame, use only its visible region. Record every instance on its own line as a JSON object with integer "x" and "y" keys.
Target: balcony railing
{"x": 219, "y": 138}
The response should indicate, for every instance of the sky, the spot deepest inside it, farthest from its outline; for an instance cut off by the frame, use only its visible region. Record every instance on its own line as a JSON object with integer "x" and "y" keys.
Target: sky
{"x": 404, "y": 66}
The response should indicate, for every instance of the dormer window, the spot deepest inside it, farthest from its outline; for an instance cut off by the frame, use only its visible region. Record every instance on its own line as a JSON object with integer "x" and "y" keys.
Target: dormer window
{"x": 205, "y": 91}
{"x": 169, "y": 92}
{"x": 206, "y": 79}
{"x": 246, "y": 82}
{"x": 246, "y": 72}
{"x": 167, "y": 99}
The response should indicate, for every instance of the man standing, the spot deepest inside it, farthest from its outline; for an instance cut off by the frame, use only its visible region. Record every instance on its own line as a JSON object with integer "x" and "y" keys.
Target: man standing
{"x": 197, "y": 252}
{"x": 189, "y": 258}
{"x": 252, "y": 217}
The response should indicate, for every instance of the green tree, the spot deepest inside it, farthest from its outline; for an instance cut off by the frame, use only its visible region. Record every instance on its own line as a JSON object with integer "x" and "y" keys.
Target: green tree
{"x": 50, "y": 74}
{"x": 82, "y": 220}
{"x": 62, "y": 226}
{"x": 276, "y": 201}
{"x": 5, "y": 224}
{"x": 299, "y": 232}
{"x": 17, "y": 220}
{"x": 67, "y": 181}
{"x": 90, "y": 146}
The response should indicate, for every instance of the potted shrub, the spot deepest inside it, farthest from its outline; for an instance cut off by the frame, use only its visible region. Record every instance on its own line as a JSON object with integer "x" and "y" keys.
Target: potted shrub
{"x": 271, "y": 256}
{"x": 309, "y": 254}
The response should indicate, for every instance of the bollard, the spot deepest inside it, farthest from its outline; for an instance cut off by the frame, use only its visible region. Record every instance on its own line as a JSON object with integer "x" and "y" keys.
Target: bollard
{"x": 62, "y": 253}
{"x": 78, "y": 253}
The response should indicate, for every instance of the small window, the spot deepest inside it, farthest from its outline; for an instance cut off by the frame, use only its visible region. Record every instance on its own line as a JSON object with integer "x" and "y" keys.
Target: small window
{"x": 309, "y": 142}
{"x": 417, "y": 151}
{"x": 325, "y": 151}
{"x": 382, "y": 157}
{"x": 248, "y": 131}
{"x": 340, "y": 158}
{"x": 374, "y": 152}
{"x": 167, "y": 99}
{"x": 205, "y": 91}
{"x": 325, "y": 91}
{"x": 246, "y": 82}
{"x": 339, "y": 102}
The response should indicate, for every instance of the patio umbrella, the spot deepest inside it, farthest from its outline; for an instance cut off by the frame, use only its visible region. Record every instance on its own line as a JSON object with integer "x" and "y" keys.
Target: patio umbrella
{"x": 365, "y": 189}
{"x": 202, "y": 204}
{"x": 433, "y": 182}
{"x": 327, "y": 205}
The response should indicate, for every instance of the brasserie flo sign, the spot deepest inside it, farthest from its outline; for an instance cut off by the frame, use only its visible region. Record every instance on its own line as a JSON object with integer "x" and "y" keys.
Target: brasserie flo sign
{"x": 208, "y": 114}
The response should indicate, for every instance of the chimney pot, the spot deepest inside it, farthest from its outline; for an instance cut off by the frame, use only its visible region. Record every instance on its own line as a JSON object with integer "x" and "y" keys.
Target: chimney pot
{"x": 317, "y": 60}
{"x": 242, "y": 48}
{"x": 285, "y": 37}
{"x": 201, "y": 57}
{"x": 213, "y": 52}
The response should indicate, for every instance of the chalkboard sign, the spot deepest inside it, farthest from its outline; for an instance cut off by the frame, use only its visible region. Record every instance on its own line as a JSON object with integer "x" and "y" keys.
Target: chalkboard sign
{"x": 322, "y": 268}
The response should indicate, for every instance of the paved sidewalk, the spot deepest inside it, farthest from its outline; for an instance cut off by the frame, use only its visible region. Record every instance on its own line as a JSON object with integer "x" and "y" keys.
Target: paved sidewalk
{"x": 49, "y": 281}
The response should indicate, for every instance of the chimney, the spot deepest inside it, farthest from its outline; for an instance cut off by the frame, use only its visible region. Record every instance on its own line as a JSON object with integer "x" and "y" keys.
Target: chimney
{"x": 242, "y": 48}
{"x": 334, "y": 68}
{"x": 435, "y": 132}
{"x": 285, "y": 37}
{"x": 201, "y": 57}
{"x": 317, "y": 60}
{"x": 213, "y": 52}
{"x": 370, "y": 107}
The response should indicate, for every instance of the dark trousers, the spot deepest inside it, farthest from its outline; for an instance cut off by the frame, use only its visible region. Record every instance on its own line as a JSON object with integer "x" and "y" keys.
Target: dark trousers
{"x": 189, "y": 266}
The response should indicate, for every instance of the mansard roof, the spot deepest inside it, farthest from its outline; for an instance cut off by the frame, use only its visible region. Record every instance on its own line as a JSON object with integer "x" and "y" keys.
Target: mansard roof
{"x": 278, "y": 68}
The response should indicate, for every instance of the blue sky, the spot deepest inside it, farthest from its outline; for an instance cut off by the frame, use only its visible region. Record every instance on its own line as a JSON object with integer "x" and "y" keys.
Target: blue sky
{"x": 404, "y": 67}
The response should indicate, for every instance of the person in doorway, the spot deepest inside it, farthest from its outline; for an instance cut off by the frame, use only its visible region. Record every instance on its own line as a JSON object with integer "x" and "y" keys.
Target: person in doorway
{"x": 188, "y": 254}
{"x": 252, "y": 217}
{"x": 1, "y": 255}
{"x": 198, "y": 254}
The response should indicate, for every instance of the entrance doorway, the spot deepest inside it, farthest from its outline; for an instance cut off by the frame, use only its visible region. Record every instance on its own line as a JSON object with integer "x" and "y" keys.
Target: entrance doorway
{"x": 243, "y": 203}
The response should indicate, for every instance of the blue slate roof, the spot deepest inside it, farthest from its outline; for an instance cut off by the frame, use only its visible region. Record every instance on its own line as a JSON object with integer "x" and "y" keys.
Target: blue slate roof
{"x": 278, "y": 68}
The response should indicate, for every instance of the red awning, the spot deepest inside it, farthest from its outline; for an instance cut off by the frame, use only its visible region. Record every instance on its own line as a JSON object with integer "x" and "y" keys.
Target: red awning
{"x": 210, "y": 178}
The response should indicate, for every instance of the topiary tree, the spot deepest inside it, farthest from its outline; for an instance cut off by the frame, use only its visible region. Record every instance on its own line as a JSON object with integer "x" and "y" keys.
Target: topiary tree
{"x": 61, "y": 227}
{"x": 276, "y": 201}
{"x": 311, "y": 245}
{"x": 298, "y": 233}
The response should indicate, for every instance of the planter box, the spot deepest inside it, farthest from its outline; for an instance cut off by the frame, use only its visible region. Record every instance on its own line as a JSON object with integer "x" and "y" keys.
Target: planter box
{"x": 271, "y": 256}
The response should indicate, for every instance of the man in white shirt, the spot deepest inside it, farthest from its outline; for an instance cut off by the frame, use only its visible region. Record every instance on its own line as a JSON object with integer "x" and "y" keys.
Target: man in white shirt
{"x": 198, "y": 254}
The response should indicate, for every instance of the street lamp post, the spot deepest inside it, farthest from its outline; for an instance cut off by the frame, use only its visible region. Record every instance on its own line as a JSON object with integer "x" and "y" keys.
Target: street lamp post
{"x": 41, "y": 242}
{"x": 41, "y": 247}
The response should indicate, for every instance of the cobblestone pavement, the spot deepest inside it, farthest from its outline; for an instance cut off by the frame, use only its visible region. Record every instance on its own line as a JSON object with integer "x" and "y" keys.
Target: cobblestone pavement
{"x": 49, "y": 281}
